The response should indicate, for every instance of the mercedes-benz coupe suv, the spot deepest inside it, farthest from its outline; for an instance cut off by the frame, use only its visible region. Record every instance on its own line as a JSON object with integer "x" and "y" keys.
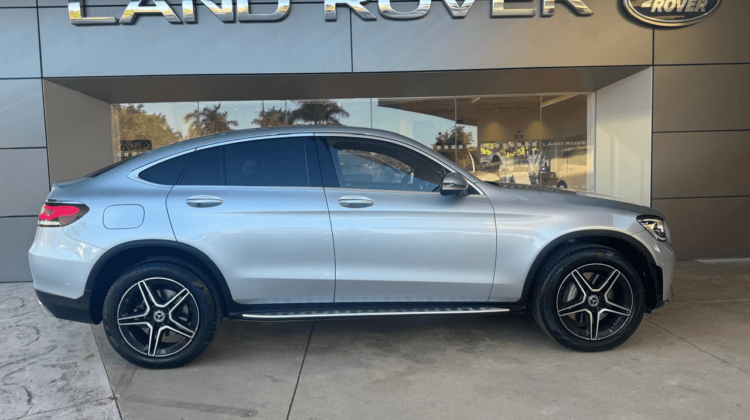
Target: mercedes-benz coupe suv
{"x": 299, "y": 223}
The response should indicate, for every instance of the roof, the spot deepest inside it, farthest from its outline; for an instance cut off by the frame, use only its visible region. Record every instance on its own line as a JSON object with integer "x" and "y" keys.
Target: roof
{"x": 295, "y": 129}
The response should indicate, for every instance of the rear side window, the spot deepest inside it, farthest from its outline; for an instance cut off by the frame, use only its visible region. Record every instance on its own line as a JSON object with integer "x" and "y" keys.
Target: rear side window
{"x": 267, "y": 163}
{"x": 279, "y": 162}
{"x": 167, "y": 172}
{"x": 206, "y": 168}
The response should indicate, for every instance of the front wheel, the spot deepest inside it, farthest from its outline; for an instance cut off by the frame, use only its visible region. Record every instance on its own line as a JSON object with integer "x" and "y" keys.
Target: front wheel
{"x": 161, "y": 315}
{"x": 588, "y": 298}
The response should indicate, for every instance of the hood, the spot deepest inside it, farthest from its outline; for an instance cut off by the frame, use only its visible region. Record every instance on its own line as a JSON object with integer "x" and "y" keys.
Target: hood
{"x": 561, "y": 196}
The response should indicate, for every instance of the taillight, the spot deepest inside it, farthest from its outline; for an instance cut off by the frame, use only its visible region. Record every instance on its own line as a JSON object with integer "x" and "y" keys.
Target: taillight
{"x": 55, "y": 215}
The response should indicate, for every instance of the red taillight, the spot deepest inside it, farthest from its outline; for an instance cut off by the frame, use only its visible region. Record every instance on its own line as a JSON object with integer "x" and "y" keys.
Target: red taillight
{"x": 55, "y": 215}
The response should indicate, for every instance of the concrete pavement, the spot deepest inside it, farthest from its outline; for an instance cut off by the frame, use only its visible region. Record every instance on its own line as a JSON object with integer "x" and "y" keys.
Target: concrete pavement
{"x": 689, "y": 360}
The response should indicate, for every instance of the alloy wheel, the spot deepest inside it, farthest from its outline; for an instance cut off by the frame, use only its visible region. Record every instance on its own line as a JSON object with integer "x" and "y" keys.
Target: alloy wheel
{"x": 158, "y": 317}
{"x": 595, "y": 301}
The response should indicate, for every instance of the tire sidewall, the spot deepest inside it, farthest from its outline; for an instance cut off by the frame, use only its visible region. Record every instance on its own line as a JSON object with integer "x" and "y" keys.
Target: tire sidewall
{"x": 208, "y": 315}
{"x": 551, "y": 285}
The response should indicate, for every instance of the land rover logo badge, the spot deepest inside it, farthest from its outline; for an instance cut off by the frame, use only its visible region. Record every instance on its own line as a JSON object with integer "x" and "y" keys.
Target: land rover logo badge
{"x": 671, "y": 13}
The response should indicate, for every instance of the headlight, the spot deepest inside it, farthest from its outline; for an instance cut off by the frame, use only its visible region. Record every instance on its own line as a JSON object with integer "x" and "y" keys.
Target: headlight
{"x": 656, "y": 227}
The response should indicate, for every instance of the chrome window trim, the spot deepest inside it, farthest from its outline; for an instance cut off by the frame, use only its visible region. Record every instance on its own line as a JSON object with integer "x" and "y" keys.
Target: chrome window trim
{"x": 444, "y": 165}
{"x": 135, "y": 173}
{"x": 244, "y": 139}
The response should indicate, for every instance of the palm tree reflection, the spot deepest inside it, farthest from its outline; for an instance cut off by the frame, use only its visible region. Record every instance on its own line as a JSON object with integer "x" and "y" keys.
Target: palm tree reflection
{"x": 208, "y": 120}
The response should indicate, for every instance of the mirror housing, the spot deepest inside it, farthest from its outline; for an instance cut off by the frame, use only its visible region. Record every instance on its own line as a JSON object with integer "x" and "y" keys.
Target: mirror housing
{"x": 454, "y": 184}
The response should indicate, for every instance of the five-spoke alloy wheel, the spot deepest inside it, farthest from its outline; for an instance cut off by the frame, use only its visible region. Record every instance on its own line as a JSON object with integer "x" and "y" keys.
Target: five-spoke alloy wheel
{"x": 588, "y": 297}
{"x": 161, "y": 314}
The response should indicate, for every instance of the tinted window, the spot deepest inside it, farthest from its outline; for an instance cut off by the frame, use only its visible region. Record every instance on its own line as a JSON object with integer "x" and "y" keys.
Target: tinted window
{"x": 372, "y": 164}
{"x": 167, "y": 172}
{"x": 205, "y": 169}
{"x": 267, "y": 163}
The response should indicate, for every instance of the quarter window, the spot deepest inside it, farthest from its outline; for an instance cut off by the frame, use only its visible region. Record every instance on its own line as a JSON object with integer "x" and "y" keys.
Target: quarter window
{"x": 379, "y": 165}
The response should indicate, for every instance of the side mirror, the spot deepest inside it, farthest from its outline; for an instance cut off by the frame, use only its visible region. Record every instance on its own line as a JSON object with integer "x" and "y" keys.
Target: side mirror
{"x": 453, "y": 184}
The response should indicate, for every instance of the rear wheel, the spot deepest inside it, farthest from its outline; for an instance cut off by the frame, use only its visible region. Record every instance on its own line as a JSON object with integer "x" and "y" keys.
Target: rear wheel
{"x": 588, "y": 298}
{"x": 161, "y": 315}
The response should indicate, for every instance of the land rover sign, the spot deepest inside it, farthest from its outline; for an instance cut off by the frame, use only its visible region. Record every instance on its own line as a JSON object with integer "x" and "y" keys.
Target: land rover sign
{"x": 671, "y": 12}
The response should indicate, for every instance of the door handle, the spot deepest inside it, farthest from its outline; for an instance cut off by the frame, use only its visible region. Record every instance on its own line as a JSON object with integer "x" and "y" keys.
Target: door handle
{"x": 353, "y": 201}
{"x": 204, "y": 201}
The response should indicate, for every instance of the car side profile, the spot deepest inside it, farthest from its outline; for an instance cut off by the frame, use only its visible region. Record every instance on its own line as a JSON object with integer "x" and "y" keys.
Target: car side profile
{"x": 297, "y": 223}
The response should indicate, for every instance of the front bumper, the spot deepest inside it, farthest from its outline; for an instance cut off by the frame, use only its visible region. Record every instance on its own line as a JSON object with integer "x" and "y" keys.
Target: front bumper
{"x": 66, "y": 308}
{"x": 664, "y": 262}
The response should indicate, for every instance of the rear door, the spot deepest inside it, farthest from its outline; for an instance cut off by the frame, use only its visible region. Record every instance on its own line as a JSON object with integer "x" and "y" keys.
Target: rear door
{"x": 397, "y": 238}
{"x": 257, "y": 208}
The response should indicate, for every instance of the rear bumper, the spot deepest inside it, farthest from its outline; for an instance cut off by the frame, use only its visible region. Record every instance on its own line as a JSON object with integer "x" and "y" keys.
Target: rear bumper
{"x": 66, "y": 308}
{"x": 61, "y": 265}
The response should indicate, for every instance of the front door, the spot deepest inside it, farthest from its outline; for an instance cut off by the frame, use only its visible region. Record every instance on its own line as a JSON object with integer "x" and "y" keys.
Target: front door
{"x": 397, "y": 239}
{"x": 257, "y": 208}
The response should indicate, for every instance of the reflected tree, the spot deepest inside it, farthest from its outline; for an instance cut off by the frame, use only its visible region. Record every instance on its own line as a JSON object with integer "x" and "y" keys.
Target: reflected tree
{"x": 457, "y": 135}
{"x": 133, "y": 122}
{"x": 319, "y": 112}
{"x": 208, "y": 120}
{"x": 272, "y": 117}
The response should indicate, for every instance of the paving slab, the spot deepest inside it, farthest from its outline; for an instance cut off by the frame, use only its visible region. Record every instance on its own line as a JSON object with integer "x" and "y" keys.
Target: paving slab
{"x": 46, "y": 364}
{"x": 97, "y": 410}
{"x": 250, "y": 370}
{"x": 505, "y": 367}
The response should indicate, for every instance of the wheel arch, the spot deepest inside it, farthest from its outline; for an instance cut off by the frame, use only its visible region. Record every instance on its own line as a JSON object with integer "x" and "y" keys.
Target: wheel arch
{"x": 633, "y": 250}
{"x": 120, "y": 258}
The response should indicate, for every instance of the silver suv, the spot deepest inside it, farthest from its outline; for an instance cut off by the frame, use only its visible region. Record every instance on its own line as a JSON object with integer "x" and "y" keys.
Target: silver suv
{"x": 334, "y": 222}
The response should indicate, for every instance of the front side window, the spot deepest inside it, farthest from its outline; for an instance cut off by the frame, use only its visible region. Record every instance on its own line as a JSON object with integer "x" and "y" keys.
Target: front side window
{"x": 380, "y": 165}
{"x": 281, "y": 162}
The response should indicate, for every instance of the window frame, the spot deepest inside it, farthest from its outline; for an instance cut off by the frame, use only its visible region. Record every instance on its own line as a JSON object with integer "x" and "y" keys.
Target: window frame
{"x": 328, "y": 165}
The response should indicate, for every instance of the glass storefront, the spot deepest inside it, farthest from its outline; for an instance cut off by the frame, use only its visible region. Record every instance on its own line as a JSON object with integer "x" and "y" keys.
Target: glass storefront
{"x": 530, "y": 139}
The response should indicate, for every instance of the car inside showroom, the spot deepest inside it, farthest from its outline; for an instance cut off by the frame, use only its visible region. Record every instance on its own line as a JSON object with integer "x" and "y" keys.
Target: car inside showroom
{"x": 374, "y": 209}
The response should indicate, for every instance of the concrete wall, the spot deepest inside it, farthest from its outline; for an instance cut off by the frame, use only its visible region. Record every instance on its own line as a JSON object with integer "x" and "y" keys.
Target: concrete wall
{"x": 702, "y": 133}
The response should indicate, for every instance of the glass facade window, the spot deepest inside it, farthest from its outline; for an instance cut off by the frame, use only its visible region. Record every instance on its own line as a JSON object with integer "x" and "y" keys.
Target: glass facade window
{"x": 526, "y": 139}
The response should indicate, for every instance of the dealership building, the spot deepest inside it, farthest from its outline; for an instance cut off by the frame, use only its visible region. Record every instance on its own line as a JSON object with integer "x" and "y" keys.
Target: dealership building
{"x": 644, "y": 100}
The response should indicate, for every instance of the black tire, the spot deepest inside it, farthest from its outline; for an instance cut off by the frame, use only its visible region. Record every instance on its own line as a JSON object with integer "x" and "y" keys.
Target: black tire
{"x": 566, "y": 304}
{"x": 188, "y": 324}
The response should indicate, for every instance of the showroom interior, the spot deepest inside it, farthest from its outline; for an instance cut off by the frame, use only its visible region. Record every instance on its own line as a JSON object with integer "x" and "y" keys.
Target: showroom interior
{"x": 603, "y": 103}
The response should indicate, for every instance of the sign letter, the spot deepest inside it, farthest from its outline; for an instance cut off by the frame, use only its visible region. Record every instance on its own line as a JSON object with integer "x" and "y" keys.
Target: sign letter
{"x": 455, "y": 10}
{"x": 384, "y": 6}
{"x": 548, "y": 7}
{"x": 244, "y": 15}
{"x": 499, "y": 10}
{"x": 75, "y": 11}
{"x": 355, "y": 5}
{"x": 160, "y": 7}
{"x": 225, "y": 13}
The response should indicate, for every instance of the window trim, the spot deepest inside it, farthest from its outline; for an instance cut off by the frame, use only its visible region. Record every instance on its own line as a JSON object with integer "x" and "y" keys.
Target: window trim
{"x": 324, "y": 135}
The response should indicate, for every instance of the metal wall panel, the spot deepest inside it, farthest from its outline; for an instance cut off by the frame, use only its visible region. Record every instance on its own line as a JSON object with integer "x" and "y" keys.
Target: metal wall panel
{"x": 25, "y": 183}
{"x": 711, "y": 164}
{"x": 19, "y": 3}
{"x": 708, "y": 227}
{"x": 702, "y": 98}
{"x": 14, "y": 257}
{"x": 439, "y": 42}
{"x": 79, "y": 131}
{"x": 19, "y": 55}
{"x": 302, "y": 43}
{"x": 723, "y": 37}
{"x": 21, "y": 113}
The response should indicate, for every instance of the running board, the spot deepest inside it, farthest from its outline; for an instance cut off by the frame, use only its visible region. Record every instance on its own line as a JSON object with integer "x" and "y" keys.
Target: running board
{"x": 352, "y": 313}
